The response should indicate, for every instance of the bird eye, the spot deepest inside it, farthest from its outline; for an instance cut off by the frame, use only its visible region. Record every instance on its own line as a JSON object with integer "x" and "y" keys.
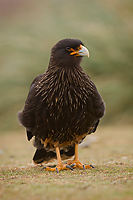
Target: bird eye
{"x": 67, "y": 48}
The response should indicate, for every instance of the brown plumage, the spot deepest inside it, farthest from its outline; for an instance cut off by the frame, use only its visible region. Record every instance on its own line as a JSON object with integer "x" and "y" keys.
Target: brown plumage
{"x": 63, "y": 106}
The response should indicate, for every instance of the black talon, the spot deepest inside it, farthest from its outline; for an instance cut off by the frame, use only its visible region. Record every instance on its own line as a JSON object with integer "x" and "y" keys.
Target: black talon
{"x": 73, "y": 165}
{"x": 67, "y": 166}
{"x": 83, "y": 167}
{"x": 57, "y": 170}
{"x": 43, "y": 168}
{"x": 92, "y": 166}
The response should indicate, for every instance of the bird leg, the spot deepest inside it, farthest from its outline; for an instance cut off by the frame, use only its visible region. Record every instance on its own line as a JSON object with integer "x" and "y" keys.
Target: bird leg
{"x": 75, "y": 163}
{"x": 60, "y": 165}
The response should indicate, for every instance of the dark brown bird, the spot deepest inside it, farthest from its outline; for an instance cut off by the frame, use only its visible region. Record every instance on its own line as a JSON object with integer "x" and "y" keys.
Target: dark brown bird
{"x": 63, "y": 106}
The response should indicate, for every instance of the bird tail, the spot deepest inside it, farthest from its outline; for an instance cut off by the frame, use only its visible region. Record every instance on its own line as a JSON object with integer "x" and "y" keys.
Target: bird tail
{"x": 43, "y": 155}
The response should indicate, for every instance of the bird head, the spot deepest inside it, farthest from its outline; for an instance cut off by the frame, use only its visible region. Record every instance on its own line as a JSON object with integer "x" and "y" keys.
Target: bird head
{"x": 68, "y": 52}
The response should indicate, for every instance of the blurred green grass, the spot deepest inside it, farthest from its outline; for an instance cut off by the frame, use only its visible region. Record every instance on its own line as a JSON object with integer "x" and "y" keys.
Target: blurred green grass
{"x": 30, "y": 29}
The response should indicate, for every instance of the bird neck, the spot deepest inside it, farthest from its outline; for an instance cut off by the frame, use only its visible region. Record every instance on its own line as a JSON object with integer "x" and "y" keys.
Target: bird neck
{"x": 65, "y": 63}
{"x": 66, "y": 75}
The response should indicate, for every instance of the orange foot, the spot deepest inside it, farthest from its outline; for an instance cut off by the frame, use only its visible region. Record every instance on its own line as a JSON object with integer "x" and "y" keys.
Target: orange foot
{"x": 78, "y": 164}
{"x": 58, "y": 168}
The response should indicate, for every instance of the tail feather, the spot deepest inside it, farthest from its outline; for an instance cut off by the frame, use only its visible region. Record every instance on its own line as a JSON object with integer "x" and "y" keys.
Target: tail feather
{"x": 68, "y": 154}
{"x": 29, "y": 135}
{"x": 41, "y": 155}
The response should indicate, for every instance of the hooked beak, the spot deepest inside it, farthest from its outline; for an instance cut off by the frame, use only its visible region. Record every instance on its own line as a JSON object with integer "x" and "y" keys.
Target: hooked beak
{"x": 82, "y": 51}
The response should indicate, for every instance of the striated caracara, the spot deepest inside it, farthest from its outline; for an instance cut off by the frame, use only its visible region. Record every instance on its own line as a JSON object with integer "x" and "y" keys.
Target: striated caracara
{"x": 63, "y": 106}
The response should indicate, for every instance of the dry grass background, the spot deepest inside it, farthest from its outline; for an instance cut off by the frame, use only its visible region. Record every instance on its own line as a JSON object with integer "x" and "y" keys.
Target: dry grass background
{"x": 112, "y": 177}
